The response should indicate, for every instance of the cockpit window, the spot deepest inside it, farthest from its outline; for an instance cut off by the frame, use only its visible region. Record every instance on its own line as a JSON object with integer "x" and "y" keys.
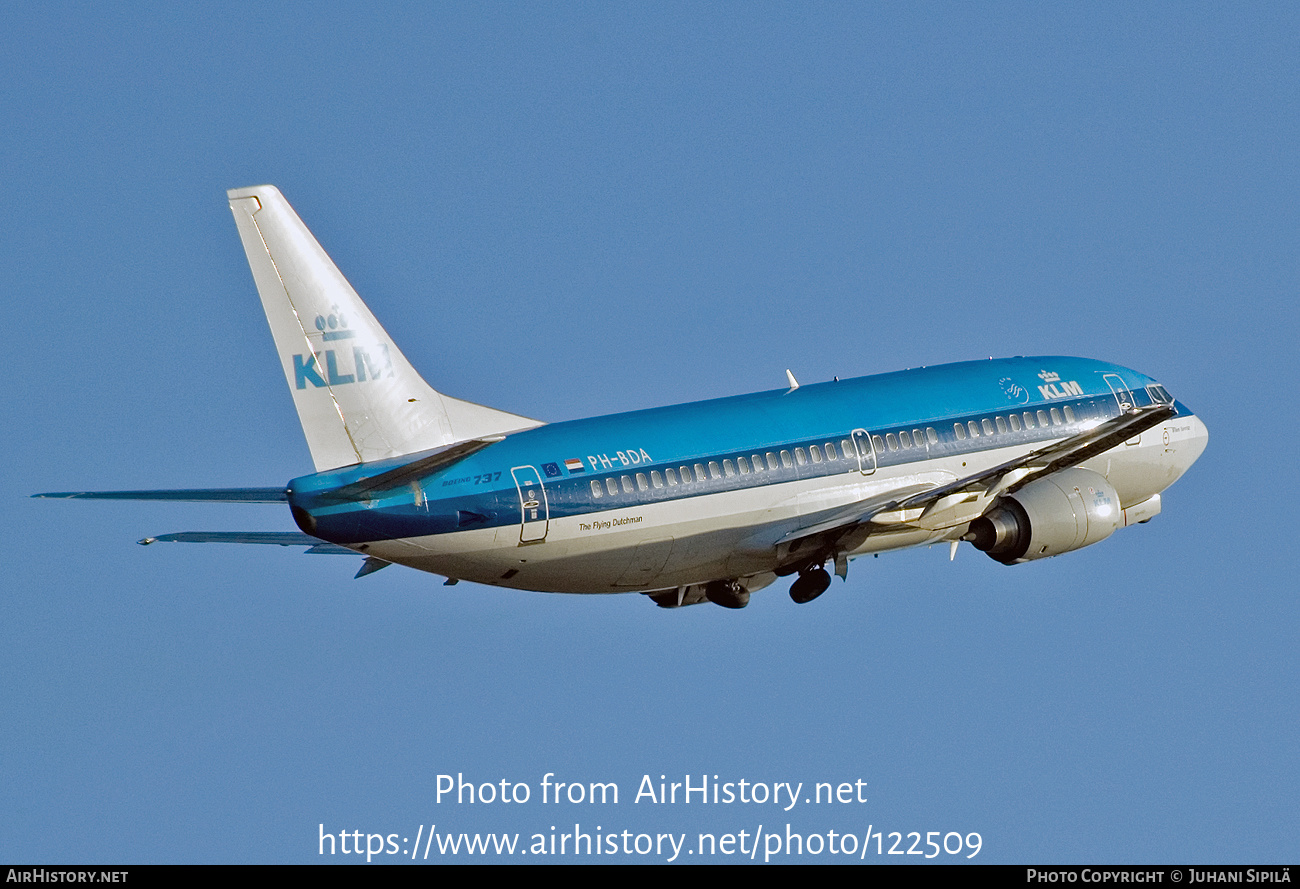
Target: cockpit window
{"x": 1159, "y": 394}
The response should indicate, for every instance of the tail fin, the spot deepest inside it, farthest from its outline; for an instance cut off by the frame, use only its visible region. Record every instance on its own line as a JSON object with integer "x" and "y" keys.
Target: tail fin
{"x": 357, "y": 396}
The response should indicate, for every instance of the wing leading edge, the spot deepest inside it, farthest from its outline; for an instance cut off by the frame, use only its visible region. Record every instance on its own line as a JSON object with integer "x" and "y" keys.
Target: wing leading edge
{"x": 908, "y": 503}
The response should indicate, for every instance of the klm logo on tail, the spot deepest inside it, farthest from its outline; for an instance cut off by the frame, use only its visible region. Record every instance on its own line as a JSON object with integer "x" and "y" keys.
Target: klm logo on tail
{"x": 363, "y": 366}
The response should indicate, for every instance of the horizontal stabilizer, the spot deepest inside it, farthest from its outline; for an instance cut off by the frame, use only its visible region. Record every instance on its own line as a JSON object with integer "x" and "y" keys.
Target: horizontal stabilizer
{"x": 191, "y": 495}
{"x": 423, "y": 464}
{"x": 273, "y": 538}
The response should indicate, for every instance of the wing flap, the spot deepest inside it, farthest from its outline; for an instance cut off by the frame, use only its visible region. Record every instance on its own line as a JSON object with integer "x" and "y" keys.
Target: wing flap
{"x": 853, "y": 514}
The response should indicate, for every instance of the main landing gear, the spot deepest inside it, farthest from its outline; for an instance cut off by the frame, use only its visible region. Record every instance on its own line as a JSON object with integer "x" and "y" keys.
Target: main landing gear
{"x": 811, "y": 584}
{"x": 727, "y": 593}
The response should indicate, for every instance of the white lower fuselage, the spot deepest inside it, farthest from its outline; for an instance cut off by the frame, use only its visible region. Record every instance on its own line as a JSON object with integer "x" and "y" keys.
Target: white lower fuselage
{"x": 736, "y": 534}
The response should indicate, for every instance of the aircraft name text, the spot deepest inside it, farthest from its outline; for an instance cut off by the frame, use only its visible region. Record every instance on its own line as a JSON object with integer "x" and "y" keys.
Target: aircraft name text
{"x": 607, "y": 524}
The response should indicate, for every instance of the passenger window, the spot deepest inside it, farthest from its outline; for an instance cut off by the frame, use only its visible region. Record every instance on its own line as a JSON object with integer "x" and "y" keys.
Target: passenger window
{"x": 786, "y": 461}
{"x": 743, "y": 464}
{"x": 1002, "y": 424}
{"x": 672, "y": 477}
{"x": 1029, "y": 420}
{"x": 846, "y": 448}
{"x": 816, "y": 453}
{"x": 892, "y": 439}
{"x": 595, "y": 489}
{"x": 1069, "y": 413}
{"x": 830, "y": 451}
{"x": 700, "y": 474}
{"x": 960, "y": 431}
{"x": 686, "y": 475}
{"x": 904, "y": 439}
{"x": 1056, "y": 417}
{"x": 1015, "y": 422}
{"x": 728, "y": 468}
{"x": 626, "y": 481}
{"x": 715, "y": 471}
{"x": 771, "y": 461}
{"x": 800, "y": 457}
{"x": 988, "y": 426}
{"x": 758, "y": 463}
{"x": 878, "y": 442}
{"x": 656, "y": 479}
{"x": 611, "y": 486}
{"x": 974, "y": 429}
{"x": 1043, "y": 422}
{"x": 931, "y": 436}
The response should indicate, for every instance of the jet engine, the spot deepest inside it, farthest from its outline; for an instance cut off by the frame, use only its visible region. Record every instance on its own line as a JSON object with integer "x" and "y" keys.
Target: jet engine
{"x": 1065, "y": 511}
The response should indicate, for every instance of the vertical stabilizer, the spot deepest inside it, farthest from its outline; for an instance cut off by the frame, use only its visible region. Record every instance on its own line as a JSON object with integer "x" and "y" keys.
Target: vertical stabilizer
{"x": 357, "y": 396}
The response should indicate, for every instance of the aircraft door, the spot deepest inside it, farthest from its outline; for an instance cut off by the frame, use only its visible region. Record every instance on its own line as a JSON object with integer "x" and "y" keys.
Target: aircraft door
{"x": 866, "y": 451}
{"x": 1123, "y": 397}
{"x": 534, "y": 512}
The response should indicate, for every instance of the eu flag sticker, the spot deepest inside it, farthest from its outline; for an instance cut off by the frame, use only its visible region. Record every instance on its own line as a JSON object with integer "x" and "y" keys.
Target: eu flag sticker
{"x": 551, "y": 470}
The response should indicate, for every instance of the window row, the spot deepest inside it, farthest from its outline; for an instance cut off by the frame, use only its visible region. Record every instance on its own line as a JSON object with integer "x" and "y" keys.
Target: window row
{"x": 773, "y": 461}
{"x": 904, "y": 440}
{"x": 1014, "y": 423}
{"x": 697, "y": 473}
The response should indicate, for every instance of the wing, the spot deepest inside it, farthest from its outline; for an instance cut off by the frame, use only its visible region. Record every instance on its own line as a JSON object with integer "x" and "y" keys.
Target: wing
{"x": 1014, "y": 474}
{"x": 909, "y": 503}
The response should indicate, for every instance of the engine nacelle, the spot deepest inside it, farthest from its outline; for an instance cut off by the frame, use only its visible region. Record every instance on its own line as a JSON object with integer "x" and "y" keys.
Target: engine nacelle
{"x": 1065, "y": 511}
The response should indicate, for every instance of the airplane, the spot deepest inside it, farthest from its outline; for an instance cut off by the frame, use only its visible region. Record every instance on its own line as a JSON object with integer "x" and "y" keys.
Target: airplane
{"x": 1024, "y": 458}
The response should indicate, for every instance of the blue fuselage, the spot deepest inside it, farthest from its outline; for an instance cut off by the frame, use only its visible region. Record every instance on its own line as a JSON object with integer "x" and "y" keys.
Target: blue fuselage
{"x": 613, "y": 468}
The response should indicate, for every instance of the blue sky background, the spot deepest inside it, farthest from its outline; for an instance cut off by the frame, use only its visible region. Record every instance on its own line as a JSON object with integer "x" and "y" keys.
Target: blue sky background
{"x": 564, "y": 210}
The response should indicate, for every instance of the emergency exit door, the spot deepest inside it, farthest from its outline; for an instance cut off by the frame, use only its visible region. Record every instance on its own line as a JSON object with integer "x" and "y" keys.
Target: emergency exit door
{"x": 534, "y": 514}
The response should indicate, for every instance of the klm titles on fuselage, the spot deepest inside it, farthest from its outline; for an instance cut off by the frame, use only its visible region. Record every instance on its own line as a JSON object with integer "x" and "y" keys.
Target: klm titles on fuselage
{"x": 1055, "y": 387}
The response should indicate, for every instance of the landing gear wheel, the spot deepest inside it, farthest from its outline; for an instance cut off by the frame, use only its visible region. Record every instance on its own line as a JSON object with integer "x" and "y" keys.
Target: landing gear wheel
{"x": 810, "y": 585}
{"x": 727, "y": 593}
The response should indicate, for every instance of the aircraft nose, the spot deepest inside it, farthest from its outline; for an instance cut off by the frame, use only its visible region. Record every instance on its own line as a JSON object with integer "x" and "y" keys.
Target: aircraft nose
{"x": 1197, "y": 439}
{"x": 1188, "y": 441}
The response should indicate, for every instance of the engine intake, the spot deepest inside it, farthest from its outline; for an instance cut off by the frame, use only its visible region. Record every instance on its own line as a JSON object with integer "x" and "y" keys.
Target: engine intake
{"x": 1062, "y": 512}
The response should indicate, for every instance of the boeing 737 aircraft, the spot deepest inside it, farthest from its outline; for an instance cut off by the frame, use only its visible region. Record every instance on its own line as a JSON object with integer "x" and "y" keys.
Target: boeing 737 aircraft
{"x": 1025, "y": 458}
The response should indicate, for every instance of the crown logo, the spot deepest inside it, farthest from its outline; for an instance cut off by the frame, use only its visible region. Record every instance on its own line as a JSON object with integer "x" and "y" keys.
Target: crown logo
{"x": 1048, "y": 377}
{"x": 334, "y": 326}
